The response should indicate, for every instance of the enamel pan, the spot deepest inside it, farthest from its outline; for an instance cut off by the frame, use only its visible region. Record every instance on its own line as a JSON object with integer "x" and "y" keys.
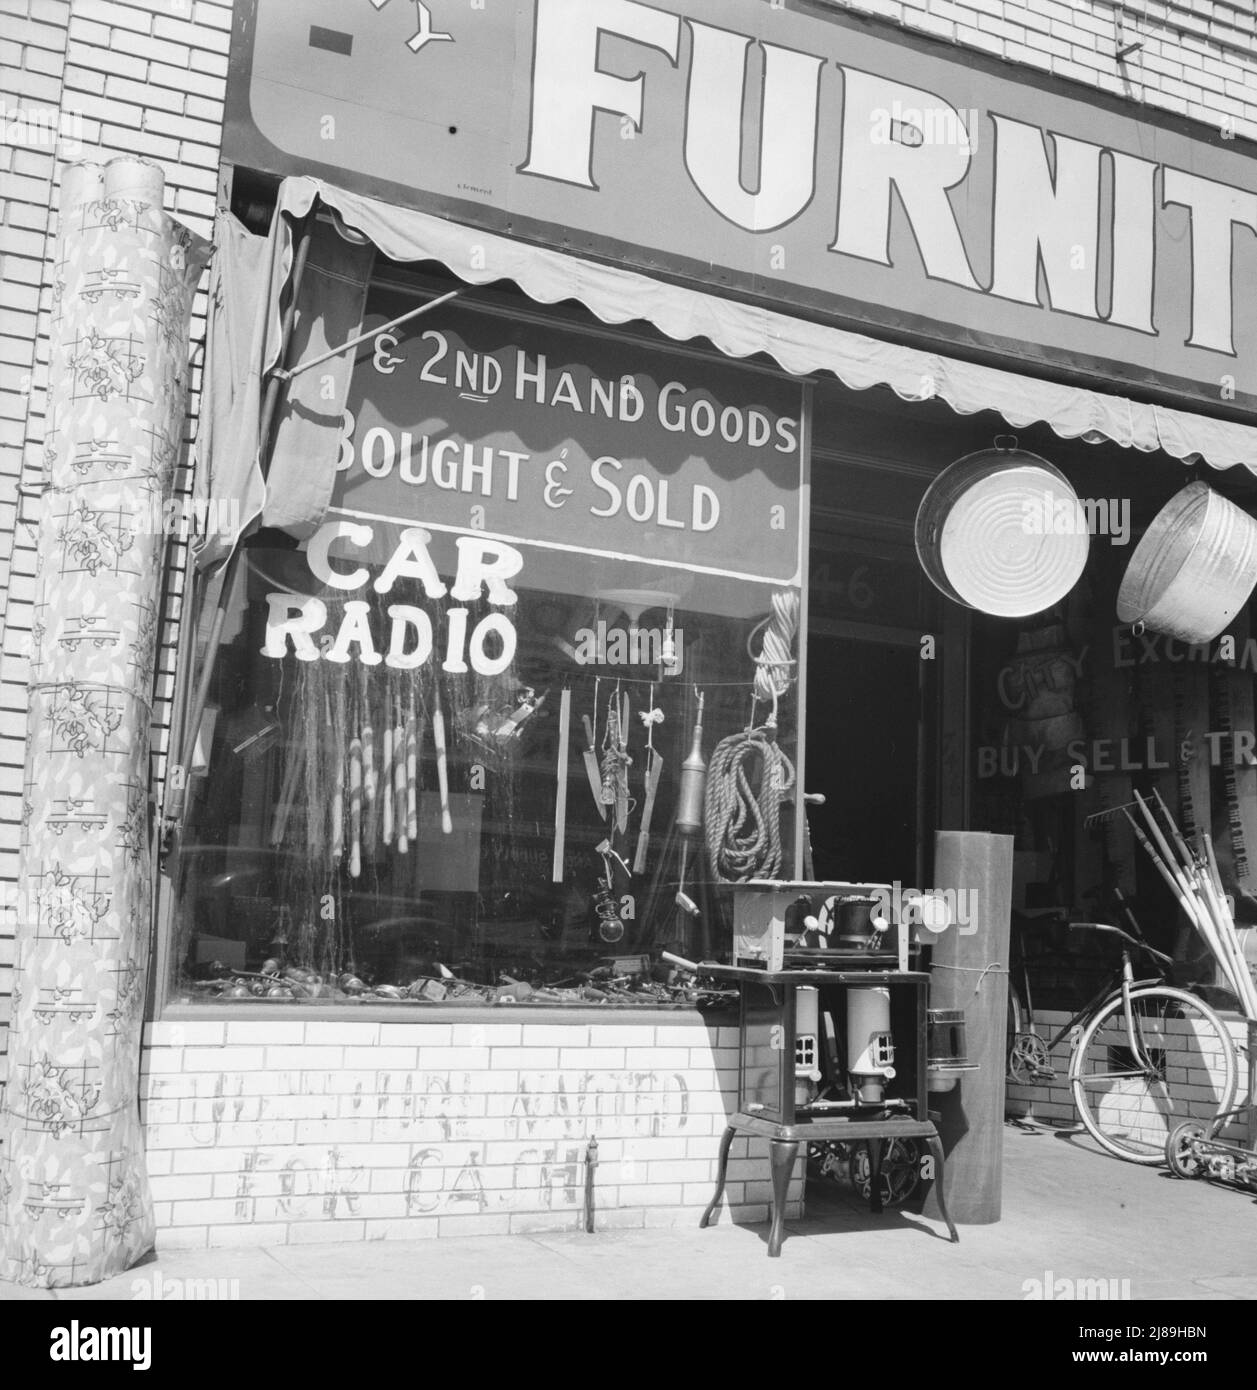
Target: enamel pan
{"x": 1194, "y": 568}
{"x": 1002, "y": 531}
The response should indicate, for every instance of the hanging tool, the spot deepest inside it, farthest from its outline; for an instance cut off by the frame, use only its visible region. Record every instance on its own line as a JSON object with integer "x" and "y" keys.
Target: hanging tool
{"x": 355, "y": 806}
{"x": 622, "y": 801}
{"x": 689, "y": 818}
{"x": 370, "y": 787}
{"x": 386, "y": 778}
{"x": 413, "y": 739}
{"x": 399, "y": 778}
{"x": 340, "y": 733}
{"x": 610, "y": 923}
{"x": 560, "y": 796}
{"x": 654, "y": 771}
{"x": 616, "y": 762}
{"x": 529, "y": 704}
{"x": 442, "y": 761}
{"x": 590, "y": 756}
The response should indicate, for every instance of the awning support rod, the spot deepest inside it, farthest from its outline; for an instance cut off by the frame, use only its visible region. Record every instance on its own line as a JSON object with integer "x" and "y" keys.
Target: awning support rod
{"x": 282, "y": 375}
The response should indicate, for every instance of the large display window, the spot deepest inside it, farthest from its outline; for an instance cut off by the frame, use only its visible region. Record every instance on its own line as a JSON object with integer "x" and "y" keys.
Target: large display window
{"x": 508, "y": 722}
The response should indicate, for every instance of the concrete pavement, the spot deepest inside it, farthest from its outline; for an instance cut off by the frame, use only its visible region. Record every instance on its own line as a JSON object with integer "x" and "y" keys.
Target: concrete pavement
{"x": 1069, "y": 1212}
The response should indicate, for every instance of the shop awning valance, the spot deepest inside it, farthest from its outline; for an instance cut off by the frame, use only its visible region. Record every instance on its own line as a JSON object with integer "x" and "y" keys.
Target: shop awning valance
{"x": 251, "y": 274}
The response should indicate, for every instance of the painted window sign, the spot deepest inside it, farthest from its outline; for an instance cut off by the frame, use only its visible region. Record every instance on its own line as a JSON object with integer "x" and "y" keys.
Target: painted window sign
{"x": 471, "y": 421}
{"x": 810, "y": 158}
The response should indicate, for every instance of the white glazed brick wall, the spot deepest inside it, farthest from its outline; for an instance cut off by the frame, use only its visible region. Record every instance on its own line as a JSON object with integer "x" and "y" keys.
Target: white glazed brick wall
{"x": 275, "y": 1132}
{"x": 1050, "y": 1102}
{"x": 1196, "y": 59}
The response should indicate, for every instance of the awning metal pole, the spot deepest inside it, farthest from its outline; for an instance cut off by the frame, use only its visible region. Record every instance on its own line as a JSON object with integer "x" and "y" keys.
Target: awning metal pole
{"x": 174, "y": 807}
{"x": 364, "y": 337}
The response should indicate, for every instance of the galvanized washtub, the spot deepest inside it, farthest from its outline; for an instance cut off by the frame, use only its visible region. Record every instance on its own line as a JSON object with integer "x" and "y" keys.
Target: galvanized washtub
{"x": 1194, "y": 568}
{"x": 1002, "y": 531}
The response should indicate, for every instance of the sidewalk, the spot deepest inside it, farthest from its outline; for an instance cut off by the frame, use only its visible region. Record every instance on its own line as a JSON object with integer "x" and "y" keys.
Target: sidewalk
{"x": 1069, "y": 1211}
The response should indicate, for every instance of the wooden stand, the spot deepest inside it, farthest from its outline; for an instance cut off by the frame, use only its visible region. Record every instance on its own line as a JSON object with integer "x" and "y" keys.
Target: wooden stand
{"x": 766, "y": 1083}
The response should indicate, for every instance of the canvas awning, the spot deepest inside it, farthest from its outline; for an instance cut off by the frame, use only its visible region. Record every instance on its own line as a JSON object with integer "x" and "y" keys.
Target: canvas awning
{"x": 251, "y": 274}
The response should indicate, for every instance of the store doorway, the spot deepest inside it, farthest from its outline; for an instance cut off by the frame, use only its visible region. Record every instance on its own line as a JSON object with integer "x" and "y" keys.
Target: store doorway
{"x": 864, "y": 753}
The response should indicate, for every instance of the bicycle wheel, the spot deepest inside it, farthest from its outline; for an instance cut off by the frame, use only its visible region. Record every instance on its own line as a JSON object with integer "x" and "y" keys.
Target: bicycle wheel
{"x": 1180, "y": 1068}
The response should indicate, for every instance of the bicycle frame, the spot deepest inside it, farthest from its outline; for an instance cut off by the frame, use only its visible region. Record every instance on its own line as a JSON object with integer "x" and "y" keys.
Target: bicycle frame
{"x": 1110, "y": 990}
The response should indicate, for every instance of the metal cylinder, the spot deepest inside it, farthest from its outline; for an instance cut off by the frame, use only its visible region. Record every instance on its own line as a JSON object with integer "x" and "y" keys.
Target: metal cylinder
{"x": 693, "y": 783}
{"x": 870, "y": 1048}
{"x": 969, "y": 971}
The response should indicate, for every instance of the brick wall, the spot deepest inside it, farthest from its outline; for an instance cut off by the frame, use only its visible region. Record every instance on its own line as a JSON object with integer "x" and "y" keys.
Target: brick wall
{"x": 1197, "y": 59}
{"x": 1051, "y": 1103}
{"x": 276, "y": 1132}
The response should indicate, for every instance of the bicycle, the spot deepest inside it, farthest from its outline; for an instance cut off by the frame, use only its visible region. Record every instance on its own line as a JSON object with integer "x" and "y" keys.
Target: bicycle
{"x": 1135, "y": 1046}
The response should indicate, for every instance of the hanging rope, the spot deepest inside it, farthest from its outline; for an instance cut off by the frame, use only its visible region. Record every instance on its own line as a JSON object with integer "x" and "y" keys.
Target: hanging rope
{"x": 750, "y": 777}
{"x": 773, "y": 675}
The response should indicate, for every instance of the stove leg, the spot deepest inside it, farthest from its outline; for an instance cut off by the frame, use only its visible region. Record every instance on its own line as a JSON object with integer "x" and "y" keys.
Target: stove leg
{"x": 936, "y": 1152}
{"x": 722, "y": 1165}
{"x": 782, "y": 1153}
{"x": 875, "y": 1150}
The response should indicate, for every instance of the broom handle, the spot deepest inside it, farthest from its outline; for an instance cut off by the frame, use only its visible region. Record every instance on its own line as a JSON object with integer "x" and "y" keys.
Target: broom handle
{"x": 1213, "y": 912}
{"x": 1184, "y": 853}
{"x": 1248, "y": 995}
{"x": 1175, "y": 884}
{"x": 1162, "y": 844}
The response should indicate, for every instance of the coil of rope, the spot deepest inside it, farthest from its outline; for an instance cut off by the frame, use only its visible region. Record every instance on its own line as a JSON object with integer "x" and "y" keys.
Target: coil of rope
{"x": 749, "y": 776}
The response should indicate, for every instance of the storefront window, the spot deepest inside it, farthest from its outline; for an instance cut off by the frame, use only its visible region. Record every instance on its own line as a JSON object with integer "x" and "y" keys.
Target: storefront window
{"x": 446, "y": 751}
{"x": 1077, "y": 714}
